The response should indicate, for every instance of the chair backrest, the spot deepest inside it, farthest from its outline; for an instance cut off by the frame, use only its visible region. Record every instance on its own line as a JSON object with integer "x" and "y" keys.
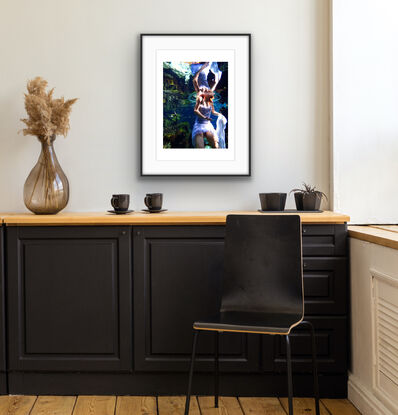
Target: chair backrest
{"x": 263, "y": 264}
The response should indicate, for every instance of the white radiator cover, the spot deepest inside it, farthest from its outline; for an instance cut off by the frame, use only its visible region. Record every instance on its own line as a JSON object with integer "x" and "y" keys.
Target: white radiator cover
{"x": 385, "y": 337}
{"x": 373, "y": 378}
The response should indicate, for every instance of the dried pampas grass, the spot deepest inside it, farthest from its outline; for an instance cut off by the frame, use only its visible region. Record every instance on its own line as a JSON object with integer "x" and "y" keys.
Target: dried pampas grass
{"x": 47, "y": 117}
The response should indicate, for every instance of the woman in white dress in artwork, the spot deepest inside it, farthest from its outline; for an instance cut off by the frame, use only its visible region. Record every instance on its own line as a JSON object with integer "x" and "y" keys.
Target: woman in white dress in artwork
{"x": 204, "y": 108}
{"x": 203, "y": 128}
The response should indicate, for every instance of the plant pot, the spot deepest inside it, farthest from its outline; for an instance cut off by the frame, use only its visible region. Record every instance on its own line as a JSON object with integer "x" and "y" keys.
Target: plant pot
{"x": 312, "y": 201}
{"x": 273, "y": 201}
{"x": 298, "y": 198}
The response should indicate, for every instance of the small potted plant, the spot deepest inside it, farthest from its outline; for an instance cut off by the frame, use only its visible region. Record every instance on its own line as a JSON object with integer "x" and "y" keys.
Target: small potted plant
{"x": 308, "y": 198}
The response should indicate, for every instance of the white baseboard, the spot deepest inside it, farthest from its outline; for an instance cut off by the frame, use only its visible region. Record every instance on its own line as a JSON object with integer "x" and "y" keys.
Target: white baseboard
{"x": 364, "y": 399}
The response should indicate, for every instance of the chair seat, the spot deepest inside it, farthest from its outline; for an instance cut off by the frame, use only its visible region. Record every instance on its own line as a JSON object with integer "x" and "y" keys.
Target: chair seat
{"x": 248, "y": 322}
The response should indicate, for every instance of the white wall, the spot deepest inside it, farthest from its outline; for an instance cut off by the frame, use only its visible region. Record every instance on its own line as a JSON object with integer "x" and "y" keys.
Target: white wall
{"x": 365, "y": 109}
{"x": 90, "y": 49}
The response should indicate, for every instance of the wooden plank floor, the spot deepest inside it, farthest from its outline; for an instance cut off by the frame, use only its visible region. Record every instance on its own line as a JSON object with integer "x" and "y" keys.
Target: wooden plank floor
{"x": 165, "y": 405}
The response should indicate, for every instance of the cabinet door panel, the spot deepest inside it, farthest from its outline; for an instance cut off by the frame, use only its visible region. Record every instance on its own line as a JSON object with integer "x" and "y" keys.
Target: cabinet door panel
{"x": 177, "y": 280}
{"x": 331, "y": 342}
{"x": 69, "y": 291}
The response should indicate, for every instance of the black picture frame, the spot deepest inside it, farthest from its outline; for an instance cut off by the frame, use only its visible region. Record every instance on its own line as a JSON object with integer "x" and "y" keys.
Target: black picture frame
{"x": 249, "y": 173}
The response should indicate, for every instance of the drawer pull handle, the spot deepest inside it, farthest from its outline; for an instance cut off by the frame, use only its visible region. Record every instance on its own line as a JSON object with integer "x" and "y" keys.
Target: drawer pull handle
{"x": 304, "y": 265}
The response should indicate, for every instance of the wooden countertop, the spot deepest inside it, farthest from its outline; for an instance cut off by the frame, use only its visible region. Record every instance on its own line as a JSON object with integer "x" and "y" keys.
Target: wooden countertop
{"x": 377, "y": 234}
{"x": 142, "y": 218}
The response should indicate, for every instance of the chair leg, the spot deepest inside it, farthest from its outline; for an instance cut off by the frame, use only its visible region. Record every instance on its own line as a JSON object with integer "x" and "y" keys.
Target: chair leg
{"x": 216, "y": 369}
{"x": 289, "y": 375}
{"x": 188, "y": 398}
{"x": 314, "y": 366}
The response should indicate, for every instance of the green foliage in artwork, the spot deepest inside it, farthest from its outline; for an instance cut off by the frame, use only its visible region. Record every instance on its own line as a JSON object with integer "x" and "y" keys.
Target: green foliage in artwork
{"x": 176, "y": 92}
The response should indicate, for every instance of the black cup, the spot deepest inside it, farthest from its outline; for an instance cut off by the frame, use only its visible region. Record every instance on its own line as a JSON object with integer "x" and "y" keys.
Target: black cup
{"x": 120, "y": 202}
{"x": 154, "y": 201}
{"x": 273, "y": 201}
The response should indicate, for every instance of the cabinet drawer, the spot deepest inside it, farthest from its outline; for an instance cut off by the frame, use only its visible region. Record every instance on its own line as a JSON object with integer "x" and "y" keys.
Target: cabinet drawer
{"x": 324, "y": 240}
{"x": 325, "y": 285}
{"x": 331, "y": 343}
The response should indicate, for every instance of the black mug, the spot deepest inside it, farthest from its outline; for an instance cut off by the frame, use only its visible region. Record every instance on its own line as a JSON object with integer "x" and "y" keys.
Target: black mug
{"x": 273, "y": 201}
{"x": 154, "y": 201}
{"x": 120, "y": 202}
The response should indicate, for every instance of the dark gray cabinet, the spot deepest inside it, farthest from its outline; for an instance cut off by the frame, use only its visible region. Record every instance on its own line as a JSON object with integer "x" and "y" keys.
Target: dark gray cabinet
{"x": 3, "y": 380}
{"x": 69, "y": 298}
{"x": 109, "y": 309}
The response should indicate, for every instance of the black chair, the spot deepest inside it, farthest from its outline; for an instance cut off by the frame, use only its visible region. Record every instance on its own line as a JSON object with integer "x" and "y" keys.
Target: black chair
{"x": 263, "y": 288}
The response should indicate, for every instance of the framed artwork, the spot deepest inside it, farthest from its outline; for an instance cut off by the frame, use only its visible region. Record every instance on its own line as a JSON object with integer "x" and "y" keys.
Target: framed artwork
{"x": 195, "y": 104}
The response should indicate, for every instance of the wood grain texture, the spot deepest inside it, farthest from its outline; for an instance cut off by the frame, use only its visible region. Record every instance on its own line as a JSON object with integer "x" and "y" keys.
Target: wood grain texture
{"x": 174, "y": 405}
{"x": 261, "y": 406}
{"x": 136, "y": 405}
{"x": 303, "y": 406}
{"x": 227, "y": 405}
{"x": 95, "y": 405}
{"x": 164, "y": 218}
{"x": 391, "y": 228}
{"x": 168, "y": 405}
{"x": 340, "y": 407}
{"x": 16, "y": 405}
{"x": 374, "y": 235}
{"x": 54, "y": 405}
